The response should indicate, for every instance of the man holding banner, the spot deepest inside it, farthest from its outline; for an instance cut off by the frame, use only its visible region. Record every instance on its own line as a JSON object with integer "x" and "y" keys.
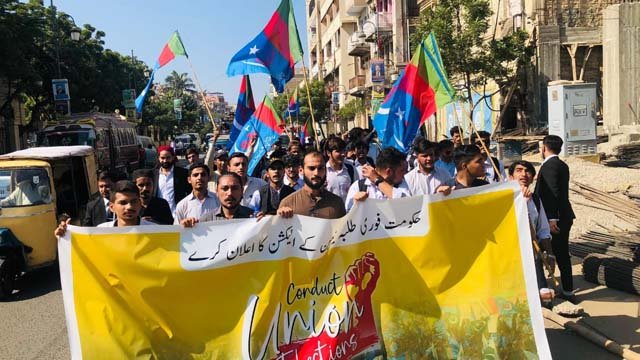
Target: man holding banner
{"x": 313, "y": 199}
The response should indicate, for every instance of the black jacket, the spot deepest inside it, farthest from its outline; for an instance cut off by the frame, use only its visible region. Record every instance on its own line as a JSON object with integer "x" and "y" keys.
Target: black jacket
{"x": 158, "y": 211}
{"x": 181, "y": 187}
{"x": 265, "y": 198}
{"x": 553, "y": 189}
{"x": 96, "y": 213}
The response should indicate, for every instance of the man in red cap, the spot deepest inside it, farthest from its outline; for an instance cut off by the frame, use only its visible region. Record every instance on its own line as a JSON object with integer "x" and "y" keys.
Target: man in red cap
{"x": 170, "y": 181}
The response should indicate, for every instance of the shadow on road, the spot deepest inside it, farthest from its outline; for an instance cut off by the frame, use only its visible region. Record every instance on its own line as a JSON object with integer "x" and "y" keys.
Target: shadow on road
{"x": 36, "y": 283}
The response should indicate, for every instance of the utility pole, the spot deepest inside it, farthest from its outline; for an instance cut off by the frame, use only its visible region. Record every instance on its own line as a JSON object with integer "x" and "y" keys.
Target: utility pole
{"x": 54, "y": 21}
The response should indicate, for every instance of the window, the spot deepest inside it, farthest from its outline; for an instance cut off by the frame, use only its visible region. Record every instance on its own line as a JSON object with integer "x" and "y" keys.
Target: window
{"x": 24, "y": 187}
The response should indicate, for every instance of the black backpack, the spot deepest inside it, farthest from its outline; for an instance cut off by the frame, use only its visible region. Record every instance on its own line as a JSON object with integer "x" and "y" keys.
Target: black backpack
{"x": 351, "y": 171}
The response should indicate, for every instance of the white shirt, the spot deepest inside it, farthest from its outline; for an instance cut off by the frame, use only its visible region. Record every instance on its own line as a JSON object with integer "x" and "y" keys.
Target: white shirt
{"x": 338, "y": 182}
{"x": 114, "y": 223}
{"x": 250, "y": 188}
{"x": 426, "y": 184}
{"x": 374, "y": 192}
{"x": 538, "y": 219}
{"x": 191, "y": 206}
{"x": 298, "y": 184}
{"x": 106, "y": 208}
{"x": 490, "y": 171}
{"x": 165, "y": 189}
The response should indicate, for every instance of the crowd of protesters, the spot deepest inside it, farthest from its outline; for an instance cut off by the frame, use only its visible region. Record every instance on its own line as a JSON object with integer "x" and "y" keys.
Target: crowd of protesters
{"x": 327, "y": 183}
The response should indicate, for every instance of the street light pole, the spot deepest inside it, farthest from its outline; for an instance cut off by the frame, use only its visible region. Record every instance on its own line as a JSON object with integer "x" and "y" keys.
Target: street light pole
{"x": 54, "y": 19}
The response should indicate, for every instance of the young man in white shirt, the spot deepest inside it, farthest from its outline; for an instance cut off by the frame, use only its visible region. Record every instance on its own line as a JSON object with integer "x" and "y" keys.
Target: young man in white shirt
{"x": 385, "y": 181}
{"x": 124, "y": 203}
{"x": 426, "y": 178}
{"x": 340, "y": 175}
{"x": 292, "y": 176}
{"x": 524, "y": 172}
{"x": 238, "y": 163}
{"x": 201, "y": 204}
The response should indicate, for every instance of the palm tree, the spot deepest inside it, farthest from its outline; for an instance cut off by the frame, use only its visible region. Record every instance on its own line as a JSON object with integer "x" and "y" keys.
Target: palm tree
{"x": 179, "y": 84}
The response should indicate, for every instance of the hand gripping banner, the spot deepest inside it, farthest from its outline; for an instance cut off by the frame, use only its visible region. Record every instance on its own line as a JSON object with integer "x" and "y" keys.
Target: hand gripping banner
{"x": 413, "y": 278}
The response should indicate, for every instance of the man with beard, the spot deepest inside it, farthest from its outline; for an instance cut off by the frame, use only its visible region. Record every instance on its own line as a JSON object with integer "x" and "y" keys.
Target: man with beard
{"x": 154, "y": 208}
{"x": 267, "y": 199}
{"x": 340, "y": 175}
{"x": 313, "y": 199}
{"x": 201, "y": 204}
{"x": 98, "y": 210}
{"x": 124, "y": 202}
{"x": 238, "y": 163}
{"x": 230, "y": 194}
{"x": 553, "y": 189}
{"x": 169, "y": 181}
{"x": 385, "y": 181}
{"x": 426, "y": 178}
{"x": 292, "y": 172}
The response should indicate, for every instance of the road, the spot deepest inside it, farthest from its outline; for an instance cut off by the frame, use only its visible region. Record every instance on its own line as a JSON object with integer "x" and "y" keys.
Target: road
{"x": 33, "y": 325}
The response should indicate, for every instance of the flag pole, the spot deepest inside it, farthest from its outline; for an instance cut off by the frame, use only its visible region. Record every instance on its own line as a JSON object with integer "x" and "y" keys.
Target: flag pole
{"x": 204, "y": 99}
{"x": 313, "y": 118}
{"x": 482, "y": 144}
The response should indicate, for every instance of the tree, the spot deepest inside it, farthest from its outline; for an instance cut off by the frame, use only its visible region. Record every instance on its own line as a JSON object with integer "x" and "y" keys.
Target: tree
{"x": 460, "y": 27}
{"x": 28, "y": 45}
{"x": 179, "y": 84}
{"x": 351, "y": 109}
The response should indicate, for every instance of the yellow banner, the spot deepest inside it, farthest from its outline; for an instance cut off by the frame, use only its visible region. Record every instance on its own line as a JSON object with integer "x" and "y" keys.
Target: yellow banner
{"x": 412, "y": 278}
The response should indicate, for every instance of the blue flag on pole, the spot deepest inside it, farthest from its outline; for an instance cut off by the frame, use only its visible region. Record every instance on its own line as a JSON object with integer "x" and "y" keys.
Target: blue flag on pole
{"x": 264, "y": 126}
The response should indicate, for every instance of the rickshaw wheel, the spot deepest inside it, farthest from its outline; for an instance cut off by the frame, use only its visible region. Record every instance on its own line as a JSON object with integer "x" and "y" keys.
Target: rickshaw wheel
{"x": 8, "y": 272}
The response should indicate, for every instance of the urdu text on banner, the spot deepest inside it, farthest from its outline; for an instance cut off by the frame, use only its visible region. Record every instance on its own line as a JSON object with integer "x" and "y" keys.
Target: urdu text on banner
{"x": 420, "y": 277}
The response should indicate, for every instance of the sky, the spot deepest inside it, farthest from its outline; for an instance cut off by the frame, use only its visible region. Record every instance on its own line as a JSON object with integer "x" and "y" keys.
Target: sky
{"x": 212, "y": 32}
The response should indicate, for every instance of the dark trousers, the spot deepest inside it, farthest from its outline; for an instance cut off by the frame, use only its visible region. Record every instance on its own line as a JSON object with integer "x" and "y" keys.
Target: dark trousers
{"x": 560, "y": 245}
{"x": 540, "y": 276}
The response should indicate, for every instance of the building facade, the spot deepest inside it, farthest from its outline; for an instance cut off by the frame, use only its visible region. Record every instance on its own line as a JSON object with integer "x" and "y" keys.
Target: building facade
{"x": 345, "y": 38}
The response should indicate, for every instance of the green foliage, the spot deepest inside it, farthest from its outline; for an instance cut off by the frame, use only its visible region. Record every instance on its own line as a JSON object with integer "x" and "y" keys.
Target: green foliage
{"x": 29, "y": 36}
{"x": 158, "y": 108}
{"x": 179, "y": 84}
{"x": 461, "y": 28}
{"x": 351, "y": 109}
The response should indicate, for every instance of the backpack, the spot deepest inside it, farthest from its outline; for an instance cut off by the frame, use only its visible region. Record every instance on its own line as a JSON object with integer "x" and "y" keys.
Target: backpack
{"x": 351, "y": 171}
{"x": 361, "y": 185}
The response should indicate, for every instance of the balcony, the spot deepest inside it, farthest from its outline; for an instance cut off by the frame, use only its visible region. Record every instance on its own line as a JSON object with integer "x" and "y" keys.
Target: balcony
{"x": 355, "y": 7}
{"x": 357, "y": 45}
{"x": 357, "y": 85}
{"x": 377, "y": 23}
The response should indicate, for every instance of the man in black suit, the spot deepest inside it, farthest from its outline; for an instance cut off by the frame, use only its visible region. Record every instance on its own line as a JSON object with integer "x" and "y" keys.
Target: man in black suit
{"x": 154, "y": 209}
{"x": 552, "y": 188}
{"x": 98, "y": 210}
{"x": 169, "y": 181}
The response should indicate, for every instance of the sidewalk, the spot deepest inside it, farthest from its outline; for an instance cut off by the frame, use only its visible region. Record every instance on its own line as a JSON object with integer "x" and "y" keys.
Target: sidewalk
{"x": 610, "y": 312}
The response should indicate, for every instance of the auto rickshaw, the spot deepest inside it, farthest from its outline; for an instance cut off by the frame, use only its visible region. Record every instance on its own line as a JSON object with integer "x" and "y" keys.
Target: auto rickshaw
{"x": 37, "y": 186}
